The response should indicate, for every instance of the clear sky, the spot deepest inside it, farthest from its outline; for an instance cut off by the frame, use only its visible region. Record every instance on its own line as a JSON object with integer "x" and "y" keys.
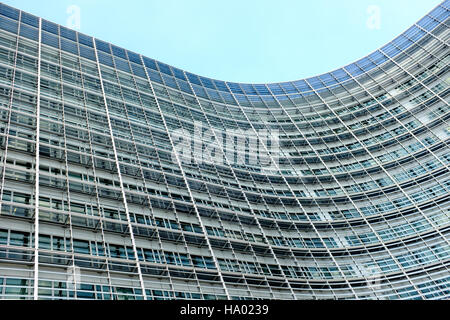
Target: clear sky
{"x": 255, "y": 41}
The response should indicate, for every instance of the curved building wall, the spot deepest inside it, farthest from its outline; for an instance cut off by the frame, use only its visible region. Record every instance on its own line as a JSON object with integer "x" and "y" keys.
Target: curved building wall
{"x": 126, "y": 178}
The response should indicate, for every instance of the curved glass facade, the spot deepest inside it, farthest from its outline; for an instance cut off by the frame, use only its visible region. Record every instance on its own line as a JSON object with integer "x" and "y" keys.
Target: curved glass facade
{"x": 138, "y": 180}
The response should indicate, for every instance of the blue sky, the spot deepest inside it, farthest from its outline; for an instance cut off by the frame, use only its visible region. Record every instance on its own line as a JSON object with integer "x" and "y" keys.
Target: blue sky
{"x": 254, "y": 41}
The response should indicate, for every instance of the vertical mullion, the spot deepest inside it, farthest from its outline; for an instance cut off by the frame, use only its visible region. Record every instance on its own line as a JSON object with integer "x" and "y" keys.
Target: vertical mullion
{"x": 161, "y": 247}
{"x": 66, "y": 162}
{"x": 94, "y": 173}
{"x": 8, "y": 125}
{"x": 91, "y": 151}
{"x": 326, "y": 167}
{"x": 116, "y": 159}
{"x": 372, "y": 179}
{"x": 205, "y": 234}
{"x": 246, "y": 198}
{"x": 227, "y": 197}
{"x": 412, "y": 135}
{"x": 293, "y": 193}
{"x": 36, "y": 193}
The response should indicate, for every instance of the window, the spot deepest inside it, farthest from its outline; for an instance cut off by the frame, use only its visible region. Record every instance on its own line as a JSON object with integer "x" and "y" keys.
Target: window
{"x": 19, "y": 239}
{"x": 4, "y": 237}
{"x": 80, "y": 246}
